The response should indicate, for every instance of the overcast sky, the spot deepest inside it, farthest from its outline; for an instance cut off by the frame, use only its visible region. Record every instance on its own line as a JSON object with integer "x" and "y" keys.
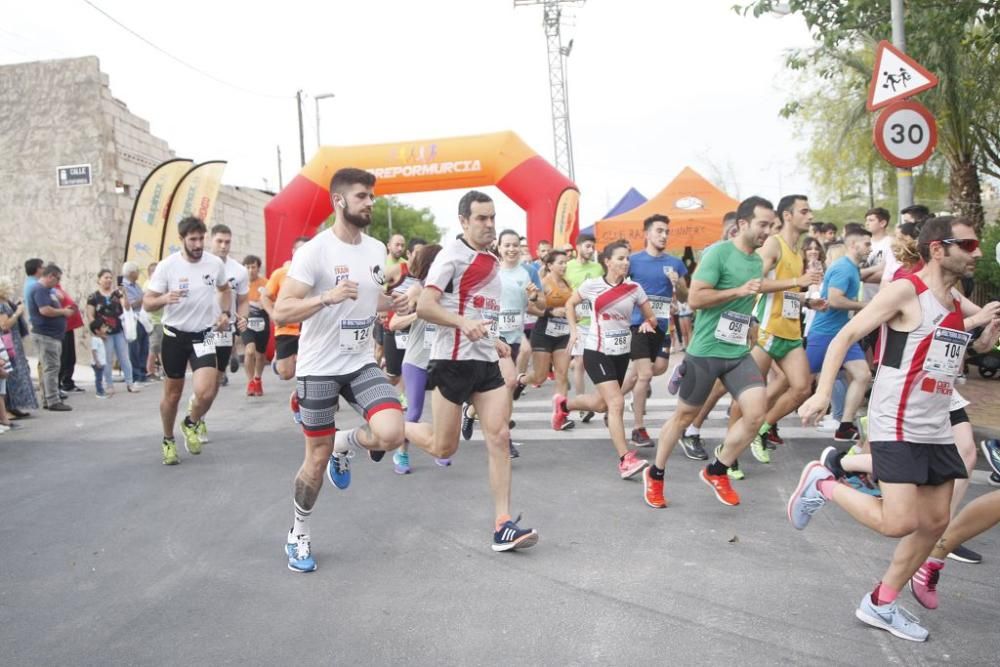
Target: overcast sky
{"x": 655, "y": 85}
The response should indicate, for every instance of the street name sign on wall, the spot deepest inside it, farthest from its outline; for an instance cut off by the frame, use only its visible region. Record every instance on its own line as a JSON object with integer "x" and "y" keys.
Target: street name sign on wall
{"x": 72, "y": 175}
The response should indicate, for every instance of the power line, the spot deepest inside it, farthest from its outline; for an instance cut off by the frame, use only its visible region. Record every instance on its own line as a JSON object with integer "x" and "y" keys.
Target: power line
{"x": 180, "y": 61}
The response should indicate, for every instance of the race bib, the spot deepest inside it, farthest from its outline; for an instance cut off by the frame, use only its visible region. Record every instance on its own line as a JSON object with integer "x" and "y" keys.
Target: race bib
{"x": 617, "y": 341}
{"x": 584, "y": 309}
{"x": 494, "y": 319}
{"x": 206, "y": 348}
{"x": 355, "y": 334}
{"x": 511, "y": 320}
{"x": 733, "y": 328}
{"x": 402, "y": 339}
{"x": 430, "y": 335}
{"x": 557, "y": 327}
{"x": 660, "y": 306}
{"x": 944, "y": 357}
{"x": 790, "y": 305}
{"x": 255, "y": 324}
{"x": 219, "y": 339}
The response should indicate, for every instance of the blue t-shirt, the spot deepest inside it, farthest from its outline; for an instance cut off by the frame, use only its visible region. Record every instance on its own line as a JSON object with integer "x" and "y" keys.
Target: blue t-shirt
{"x": 651, "y": 274}
{"x": 533, "y": 272}
{"x": 845, "y": 276}
{"x": 54, "y": 327}
{"x": 29, "y": 285}
{"x": 513, "y": 302}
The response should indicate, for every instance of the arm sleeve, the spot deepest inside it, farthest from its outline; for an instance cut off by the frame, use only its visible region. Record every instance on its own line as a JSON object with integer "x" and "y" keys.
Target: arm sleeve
{"x": 708, "y": 270}
{"x": 841, "y": 279}
{"x": 640, "y": 295}
{"x": 40, "y": 297}
{"x": 158, "y": 281}
{"x": 273, "y": 286}
{"x": 302, "y": 266}
{"x": 680, "y": 268}
{"x": 92, "y": 300}
{"x": 441, "y": 273}
{"x": 535, "y": 278}
{"x": 243, "y": 284}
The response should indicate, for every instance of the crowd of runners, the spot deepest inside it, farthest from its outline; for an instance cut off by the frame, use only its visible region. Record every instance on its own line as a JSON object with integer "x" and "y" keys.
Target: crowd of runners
{"x": 786, "y": 317}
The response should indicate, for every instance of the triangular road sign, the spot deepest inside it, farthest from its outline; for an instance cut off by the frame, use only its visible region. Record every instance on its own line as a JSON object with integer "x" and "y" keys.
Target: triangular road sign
{"x": 896, "y": 75}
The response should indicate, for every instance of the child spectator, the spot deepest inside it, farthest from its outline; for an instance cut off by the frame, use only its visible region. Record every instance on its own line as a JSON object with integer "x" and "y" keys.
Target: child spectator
{"x": 99, "y": 355}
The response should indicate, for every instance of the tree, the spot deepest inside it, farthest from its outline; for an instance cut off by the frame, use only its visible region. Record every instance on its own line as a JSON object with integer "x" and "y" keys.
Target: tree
{"x": 957, "y": 39}
{"x": 406, "y": 220}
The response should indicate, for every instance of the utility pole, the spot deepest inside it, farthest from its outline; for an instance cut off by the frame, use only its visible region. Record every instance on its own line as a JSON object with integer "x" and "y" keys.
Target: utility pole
{"x": 388, "y": 208}
{"x": 281, "y": 181}
{"x": 302, "y": 137}
{"x": 558, "y": 88}
{"x": 904, "y": 177}
{"x": 317, "y": 98}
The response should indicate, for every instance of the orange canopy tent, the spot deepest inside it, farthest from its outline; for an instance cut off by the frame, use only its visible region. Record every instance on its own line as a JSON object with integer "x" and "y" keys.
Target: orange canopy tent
{"x": 695, "y": 208}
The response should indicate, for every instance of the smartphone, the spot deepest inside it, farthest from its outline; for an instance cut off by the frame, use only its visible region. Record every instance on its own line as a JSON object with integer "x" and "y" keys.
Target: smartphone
{"x": 119, "y": 280}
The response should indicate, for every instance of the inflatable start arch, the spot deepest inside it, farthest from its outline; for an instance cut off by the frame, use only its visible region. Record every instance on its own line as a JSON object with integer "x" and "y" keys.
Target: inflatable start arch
{"x": 550, "y": 200}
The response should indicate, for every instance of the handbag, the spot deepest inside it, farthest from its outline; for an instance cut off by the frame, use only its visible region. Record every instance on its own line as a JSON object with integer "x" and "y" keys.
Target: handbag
{"x": 22, "y": 327}
{"x": 129, "y": 325}
{"x": 8, "y": 343}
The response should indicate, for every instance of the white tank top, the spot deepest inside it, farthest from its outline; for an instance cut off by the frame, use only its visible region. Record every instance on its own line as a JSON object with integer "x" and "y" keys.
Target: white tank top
{"x": 913, "y": 389}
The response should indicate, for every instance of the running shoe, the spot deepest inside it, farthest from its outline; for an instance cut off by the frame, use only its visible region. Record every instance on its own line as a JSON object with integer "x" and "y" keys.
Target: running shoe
{"x": 299, "y": 552}
{"x": 202, "y": 431}
{"x": 923, "y": 584}
{"x": 773, "y": 438}
{"x": 674, "y": 383}
{"x": 806, "y": 500}
{"x": 376, "y": 455}
{"x": 293, "y": 405}
{"x": 568, "y": 425}
{"x": 552, "y": 376}
{"x": 863, "y": 483}
{"x": 828, "y": 423}
{"x": 994, "y": 479}
{"x": 991, "y": 450}
{"x": 559, "y": 415}
{"x": 519, "y": 387}
{"x": 401, "y": 462}
{"x": 170, "y": 452}
{"x": 251, "y": 388}
{"x": 443, "y": 463}
{"x": 338, "y": 469}
{"x": 733, "y": 472}
{"x": 652, "y": 490}
{"x": 964, "y": 554}
{"x": 863, "y": 427}
{"x": 759, "y": 450}
{"x": 640, "y": 438}
{"x": 259, "y": 386}
{"x": 693, "y": 449}
{"x": 846, "y": 433}
{"x": 585, "y": 417}
{"x": 830, "y": 458}
{"x": 512, "y": 446}
{"x": 511, "y": 424}
{"x": 234, "y": 363}
{"x": 192, "y": 443}
{"x": 629, "y": 407}
{"x": 720, "y": 485}
{"x": 631, "y": 465}
{"x": 892, "y": 618}
{"x": 468, "y": 423}
{"x": 510, "y": 536}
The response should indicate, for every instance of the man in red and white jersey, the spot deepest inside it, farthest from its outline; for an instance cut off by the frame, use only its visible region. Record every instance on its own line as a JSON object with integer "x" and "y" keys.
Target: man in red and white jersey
{"x": 461, "y": 297}
{"x": 913, "y": 452}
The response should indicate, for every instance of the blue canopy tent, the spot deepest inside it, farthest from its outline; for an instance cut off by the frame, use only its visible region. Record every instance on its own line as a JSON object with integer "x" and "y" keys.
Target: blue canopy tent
{"x": 629, "y": 201}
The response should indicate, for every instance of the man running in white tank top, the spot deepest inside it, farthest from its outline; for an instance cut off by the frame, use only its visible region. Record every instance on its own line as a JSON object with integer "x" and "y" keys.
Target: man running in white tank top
{"x": 913, "y": 452}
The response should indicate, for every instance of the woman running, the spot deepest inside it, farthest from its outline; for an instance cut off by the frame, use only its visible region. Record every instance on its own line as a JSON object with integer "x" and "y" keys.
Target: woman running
{"x": 606, "y": 349}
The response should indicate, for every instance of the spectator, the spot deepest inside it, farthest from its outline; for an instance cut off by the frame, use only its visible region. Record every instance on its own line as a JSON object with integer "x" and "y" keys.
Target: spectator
{"x": 5, "y": 370}
{"x": 138, "y": 349}
{"x": 48, "y": 324}
{"x": 155, "y": 337}
{"x": 13, "y": 328}
{"x": 33, "y": 269}
{"x": 67, "y": 361}
{"x": 828, "y": 233}
{"x": 98, "y": 355}
{"x": 105, "y": 305}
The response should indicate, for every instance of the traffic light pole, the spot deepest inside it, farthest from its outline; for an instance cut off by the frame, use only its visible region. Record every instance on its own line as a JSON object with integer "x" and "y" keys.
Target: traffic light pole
{"x": 904, "y": 177}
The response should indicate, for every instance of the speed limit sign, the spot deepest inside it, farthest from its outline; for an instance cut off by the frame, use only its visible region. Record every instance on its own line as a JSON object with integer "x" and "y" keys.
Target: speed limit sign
{"x": 906, "y": 134}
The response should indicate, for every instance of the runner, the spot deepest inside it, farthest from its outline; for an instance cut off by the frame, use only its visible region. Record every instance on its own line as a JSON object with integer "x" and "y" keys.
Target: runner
{"x": 840, "y": 285}
{"x": 551, "y": 332}
{"x": 723, "y": 289}
{"x": 660, "y": 276}
{"x": 286, "y": 334}
{"x": 239, "y": 281}
{"x": 258, "y": 330}
{"x": 523, "y": 356}
{"x": 191, "y": 287}
{"x": 779, "y": 311}
{"x": 606, "y": 350}
{"x": 335, "y": 287}
{"x": 581, "y": 268}
{"x": 462, "y": 297}
{"x": 913, "y": 455}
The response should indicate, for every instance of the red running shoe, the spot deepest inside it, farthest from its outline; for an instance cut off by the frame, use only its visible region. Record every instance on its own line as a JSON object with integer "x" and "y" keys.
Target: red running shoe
{"x": 720, "y": 485}
{"x": 559, "y": 416}
{"x": 652, "y": 490}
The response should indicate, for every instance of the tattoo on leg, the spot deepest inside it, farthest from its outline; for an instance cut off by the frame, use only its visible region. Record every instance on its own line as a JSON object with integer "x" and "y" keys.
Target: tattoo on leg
{"x": 305, "y": 493}
{"x": 942, "y": 544}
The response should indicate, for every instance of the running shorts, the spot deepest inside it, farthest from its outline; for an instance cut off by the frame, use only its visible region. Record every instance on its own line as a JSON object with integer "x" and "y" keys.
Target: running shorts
{"x": 541, "y": 342}
{"x": 393, "y": 355}
{"x": 459, "y": 380}
{"x": 366, "y": 389}
{"x": 649, "y": 345}
{"x": 702, "y": 372}
{"x": 917, "y": 463}
{"x": 179, "y": 351}
{"x": 777, "y": 347}
{"x": 222, "y": 356}
{"x": 285, "y": 346}
{"x": 603, "y": 368}
{"x": 261, "y": 332}
{"x": 820, "y": 343}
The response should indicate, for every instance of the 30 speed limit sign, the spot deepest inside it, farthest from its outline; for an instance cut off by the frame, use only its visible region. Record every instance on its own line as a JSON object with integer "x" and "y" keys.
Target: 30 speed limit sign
{"x": 906, "y": 134}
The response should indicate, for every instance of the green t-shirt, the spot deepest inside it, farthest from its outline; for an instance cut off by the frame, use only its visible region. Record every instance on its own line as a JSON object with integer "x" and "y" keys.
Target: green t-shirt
{"x": 724, "y": 266}
{"x": 576, "y": 273}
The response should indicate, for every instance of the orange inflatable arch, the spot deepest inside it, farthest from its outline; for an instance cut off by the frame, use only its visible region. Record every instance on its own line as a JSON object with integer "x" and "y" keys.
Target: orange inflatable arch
{"x": 550, "y": 200}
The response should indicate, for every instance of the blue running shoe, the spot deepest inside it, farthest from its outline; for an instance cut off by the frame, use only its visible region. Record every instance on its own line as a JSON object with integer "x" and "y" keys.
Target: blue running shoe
{"x": 991, "y": 450}
{"x": 468, "y": 423}
{"x": 338, "y": 469}
{"x": 510, "y": 536}
{"x": 401, "y": 462}
{"x": 892, "y": 618}
{"x": 806, "y": 500}
{"x": 299, "y": 552}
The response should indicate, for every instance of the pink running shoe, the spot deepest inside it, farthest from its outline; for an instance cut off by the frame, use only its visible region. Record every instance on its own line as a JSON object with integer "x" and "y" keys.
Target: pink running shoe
{"x": 631, "y": 465}
{"x": 559, "y": 416}
{"x": 923, "y": 584}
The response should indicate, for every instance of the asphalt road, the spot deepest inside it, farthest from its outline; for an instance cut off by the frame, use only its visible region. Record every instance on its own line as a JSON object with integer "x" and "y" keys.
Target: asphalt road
{"x": 108, "y": 557}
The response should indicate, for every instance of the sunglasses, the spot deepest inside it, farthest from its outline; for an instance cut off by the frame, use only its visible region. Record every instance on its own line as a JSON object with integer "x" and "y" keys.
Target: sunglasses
{"x": 968, "y": 245}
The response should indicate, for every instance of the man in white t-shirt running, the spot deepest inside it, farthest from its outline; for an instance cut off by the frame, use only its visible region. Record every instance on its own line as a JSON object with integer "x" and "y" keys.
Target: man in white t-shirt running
{"x": 462, "y": 296}
{"x": 335, "y": 288}
{"x": 191, "y": 287}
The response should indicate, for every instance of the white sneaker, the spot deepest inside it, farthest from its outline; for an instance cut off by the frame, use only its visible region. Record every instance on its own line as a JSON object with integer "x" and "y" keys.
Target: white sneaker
{"x": 828, "y": 424}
